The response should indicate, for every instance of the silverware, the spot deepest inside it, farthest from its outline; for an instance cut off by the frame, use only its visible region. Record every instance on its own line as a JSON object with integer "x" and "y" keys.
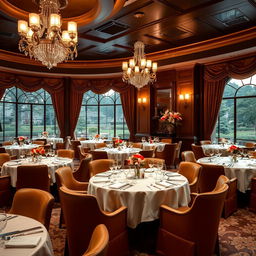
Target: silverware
{"x": 23, "y": 234}
{"x": 19, "y": 231}
{"x": 12, "y": 217}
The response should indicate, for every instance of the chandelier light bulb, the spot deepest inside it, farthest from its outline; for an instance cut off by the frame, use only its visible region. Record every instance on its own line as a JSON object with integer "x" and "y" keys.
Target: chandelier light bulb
{"x": 30, "y": 34}
{"x": 65, "y": 36}
{"x": 154, "y": 66}
{"x": 34, "y": 21}
{"x": 72, "y": 27}
{"x": 136, "y": 69}
{"x": 22, "y": 26}
{"x": 125, "y": 65}
{"x": 149, "y": 63}
{"x": 129, "y": 71}
{"x": 131, "y": 63}
{"x": 55, "y": 21}
{"x": 143, "y": 63}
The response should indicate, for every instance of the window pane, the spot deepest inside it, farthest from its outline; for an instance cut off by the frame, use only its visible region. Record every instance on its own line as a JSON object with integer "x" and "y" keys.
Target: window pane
{"x": 227, "y": 119}
{"x": 107, "y": 120}
{"x": 51, "y": 122}
{"x": 92, "y": 120}
{"x": 106, "y": 100}
{"x": 229, "y": 91}
{"x": 246, "y": 90}
{"x": 38, "y": 120}
{"x": 81, "y": 124}
{"x": 246, "y": 119}
{"x": 1, "y": 121}
{"x": 24, "y": 120}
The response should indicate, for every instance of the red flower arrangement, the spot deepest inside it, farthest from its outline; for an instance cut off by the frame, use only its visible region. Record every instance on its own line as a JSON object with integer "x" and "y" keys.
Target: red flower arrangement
{"x": 171, "y": 117}
{"x": 136, "y": 159}
{"x": 37, "y": 151}
{"x": 97, "y": 136}
{"x": 118, "y": 142}
{"x": 233, "y": 149}
{"x": 22, "y": 138}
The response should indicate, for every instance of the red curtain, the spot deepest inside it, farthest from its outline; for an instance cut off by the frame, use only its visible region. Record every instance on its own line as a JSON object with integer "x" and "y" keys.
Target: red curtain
{"x": 99, "y": 86}
{"x": 215, "y": 78}
{"x": 53, "y": 86}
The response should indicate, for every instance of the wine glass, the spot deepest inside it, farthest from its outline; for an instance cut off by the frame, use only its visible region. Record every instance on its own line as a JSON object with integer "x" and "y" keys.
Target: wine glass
{"x": 211, "y": 153}
{"x": 3, "y": 222}
{"x": 143, "y": 139}
{"x": 151, "y": 164}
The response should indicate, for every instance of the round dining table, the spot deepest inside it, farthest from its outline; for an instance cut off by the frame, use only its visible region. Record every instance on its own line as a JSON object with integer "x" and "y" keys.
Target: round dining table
{"x": 22, "y": 245}
{"x": 53, "y": 163}
{"x": 91, "y": 144}
{"x": 19, "y": 150}
{"x": 218, "y": 148}
{"x": 142, "y": 197}
{"x": 244, "y": 169}
{"x": 159, "y": 146}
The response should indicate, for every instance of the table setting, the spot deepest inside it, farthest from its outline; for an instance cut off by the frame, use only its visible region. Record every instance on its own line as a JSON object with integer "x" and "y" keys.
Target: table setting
{"x": 142, "y": 196}
{"x": 20, "y": 150}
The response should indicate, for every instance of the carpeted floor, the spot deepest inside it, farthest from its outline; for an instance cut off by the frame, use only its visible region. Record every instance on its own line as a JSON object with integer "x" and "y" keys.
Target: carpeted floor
{"x": 237, "y": 234}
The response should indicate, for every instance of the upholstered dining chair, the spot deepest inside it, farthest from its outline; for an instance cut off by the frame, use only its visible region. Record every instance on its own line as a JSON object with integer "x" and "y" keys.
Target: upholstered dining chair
{"x": 99, "y": 155}
{"x": 38, "y": 142}
{"x": 188, "y": 156}
{"x": 100, "y": 165}
{"x": 2, "y": 150}
{"x": 205, "y": 142}
{"x": 7, "y": 143}
{"x": 153, "y": 160}
{"x": 99, "y": 242}
{"x": 81, "y": 223}
{"x": 82, "y": 173}
{"x": 192, "y": 172}
{"x": 4, "y": 157}
{"x": 60, "y": 145}
{"x": 169, "y": 141}
{"x": 137, "y": 145}
{"x": 44, "y": 140}
{"x": 198, "y": 151}
{"x": 250, "y": 144}
{"x": 5, "y": 190}
{"x": 100, "y": 145}
{"x": 33, "y": 203}
{"x": 147, "y": 153}
{"x": 83, "y": 152}
{"x": 252, "y": 154}
{"x": 74, "y": 146}
{"x": 68, "y": 153}
{"x": 33, "y": 176}
{"x": 190, "y": 231}
{"x": 168, "y": 154}
{"x": 252, "y": 204}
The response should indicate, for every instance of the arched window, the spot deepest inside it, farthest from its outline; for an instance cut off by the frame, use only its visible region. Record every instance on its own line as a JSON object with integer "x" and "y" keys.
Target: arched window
{"x": 26, "y": 114}
{"x": 237, "y": 116}
{"x": 102, "y": 114}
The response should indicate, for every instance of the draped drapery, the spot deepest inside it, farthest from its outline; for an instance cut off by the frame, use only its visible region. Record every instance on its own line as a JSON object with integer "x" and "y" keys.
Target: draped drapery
{"x": 53, "y": 86}
{"x": 215, "y": 78}
{"x": 99, "y": 86}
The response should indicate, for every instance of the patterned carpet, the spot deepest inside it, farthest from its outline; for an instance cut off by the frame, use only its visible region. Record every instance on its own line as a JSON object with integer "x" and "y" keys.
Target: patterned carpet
{"x": 237, "y": 234}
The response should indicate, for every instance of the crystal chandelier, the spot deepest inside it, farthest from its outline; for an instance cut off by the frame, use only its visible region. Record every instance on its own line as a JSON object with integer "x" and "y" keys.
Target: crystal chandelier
{"x": 139, "y": 71}
{"x": 43, "y": 39}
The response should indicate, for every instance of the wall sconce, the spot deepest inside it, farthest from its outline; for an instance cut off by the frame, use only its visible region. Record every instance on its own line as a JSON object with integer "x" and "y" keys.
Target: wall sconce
{"x": 185, "y": 98}
{"x": 142, "y": 100}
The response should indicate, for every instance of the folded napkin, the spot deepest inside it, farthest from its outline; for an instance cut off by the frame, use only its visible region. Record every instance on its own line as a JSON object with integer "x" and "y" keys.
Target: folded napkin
{"x": 100, "y": 180}
{"x": 252, "y": 165}
{"x": 118, "y": 185}
{"x": 164, "y": 184}
{"x": 103, "y": 174}
{"x": 23, "y": 241}
{"x": 62, "y": 158}
{"x": 175, "y": 179}
{"x": 172, "y": 174}
{"x": 13, "y": 164}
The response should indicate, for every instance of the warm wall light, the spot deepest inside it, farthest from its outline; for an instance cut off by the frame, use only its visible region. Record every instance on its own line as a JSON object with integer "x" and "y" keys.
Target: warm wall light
{"x": 142, "y": 100}
{"x": 184, "y": 97}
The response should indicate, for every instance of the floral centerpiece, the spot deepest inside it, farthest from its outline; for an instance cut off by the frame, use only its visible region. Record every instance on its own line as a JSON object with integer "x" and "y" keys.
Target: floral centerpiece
{"x": 137, "y": 161}
{"x": 118, "y": 142}
{"x": 234, "y": 150}
{"x": 171, "y": 119}
{"x": 21, "y": 140}
{"x": 97, "y": 137}
{"x": 45, "y": 134}
{"x": 36, "y": 152}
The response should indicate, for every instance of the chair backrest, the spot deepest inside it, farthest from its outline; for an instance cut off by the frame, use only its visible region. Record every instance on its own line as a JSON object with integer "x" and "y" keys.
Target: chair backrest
{"x": 198, "y": 151}
{"x": 33, "y": 176}
{"x": 64, "y": 177}
{"x": 209, "y": 176}
{"x": 100, "y": 145}
{"x": 205, "y": 142}
{"x": 252, "y": 204}
{"x": 44, "y": 140}
{"x": 68, "y": 153}
{"x": 81, "y": 223}
{"x": 4, "y": 157}
{"x": 60, "y": 145}
{"x": 5, "y": 190}
{"x": 99, "y": 165}
{"x": 7, "y": 143}
{"x": 153, "y": 160}
{"x": 192, "y": 172}
{"x": 33, "y": 203}
{"x": 137, "y": 145}
{"x": 74, "y": 146}
{"x": 188, "y": 156}
{"x": 252, "y": 154}
{"x": 82, "y": 138}
{"x": 83, "y": 173}
{"x": 38, "y": 142}
{"x": 99, "y": 155}
{"x": 99, "y": 242}
{"x": 168, "y": 154}
{"x": 250, "y": 144}
{"x": 147, "y": 153}
{"x": 2, "y": 150}
{"x": 166, "y": 140}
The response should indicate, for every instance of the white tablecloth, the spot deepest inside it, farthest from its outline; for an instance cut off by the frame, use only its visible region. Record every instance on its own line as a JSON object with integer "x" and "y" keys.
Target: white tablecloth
{"x": 243, "y": 170}
{"x": 18, "y": 150}
{"x": 54, "y": 141}
{"x": 141, "y": 199}
{"x": 120, "y": 155}
{"x": 53, "y": 163}
{"x": 44, "y": 248}
{"x": 218, "y": 148}
{"x": 91, "y": 143}
{"x": 158, "y": 145}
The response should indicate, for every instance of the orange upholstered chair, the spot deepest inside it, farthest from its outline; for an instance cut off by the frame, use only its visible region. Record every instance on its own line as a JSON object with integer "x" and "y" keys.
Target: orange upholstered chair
{"x": 230, "y": 204}
{"x": 5, "y": 190}
{"x": 82, "y": 214}
{"x": 82, "y": 172}
{"x": 99, "y": 242}
{"x": 33, "y": 203}
{"x": 192, "y": 172}
{"x": 38, "y": 142}
{"x": 83, "y": 152}
{"x": 137, "y": 145}
{"x": 74, "y": 146}
{"x": 2, "y": 150}
{"x": 198, "y": 151}
{"x": 60, "y": 145}
{"x": 252, "y": 154}
{"x": 147, "y": 153}
{"x": 68, "y": 153}
{"x": 99, "y": 155}
{"x": 188, "y": 156}
{"x": 99, "y": 165}
{"x": 169, "y": 141}
{"x": 250, "y": 144}
{"x": 205, "y": 142}
{"x": 209, "y": 176}
{"x": 168, "y": 154}
{"x": 153, "y": 160}
{"x": 33, "y": 176}
{"x": 7, "y": 143}
{"x": 4, "y": 157}
{"x": 190, "y": 231}
{"x": 100, "y": 145}
{"x": 252, "y": 204}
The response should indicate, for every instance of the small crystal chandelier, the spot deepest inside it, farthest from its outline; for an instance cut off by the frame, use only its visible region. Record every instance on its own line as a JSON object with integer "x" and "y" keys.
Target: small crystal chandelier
{"x": 43, "y": 40}
{"x": 139, "y": 71}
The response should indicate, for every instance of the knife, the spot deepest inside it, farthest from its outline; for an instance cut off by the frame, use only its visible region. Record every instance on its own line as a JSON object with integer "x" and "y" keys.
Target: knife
{"x": 19, "y": 231}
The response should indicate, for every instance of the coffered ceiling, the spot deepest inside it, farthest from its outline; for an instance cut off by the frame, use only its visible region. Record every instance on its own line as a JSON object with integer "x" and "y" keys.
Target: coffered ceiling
{"x": 108, "y": 28}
